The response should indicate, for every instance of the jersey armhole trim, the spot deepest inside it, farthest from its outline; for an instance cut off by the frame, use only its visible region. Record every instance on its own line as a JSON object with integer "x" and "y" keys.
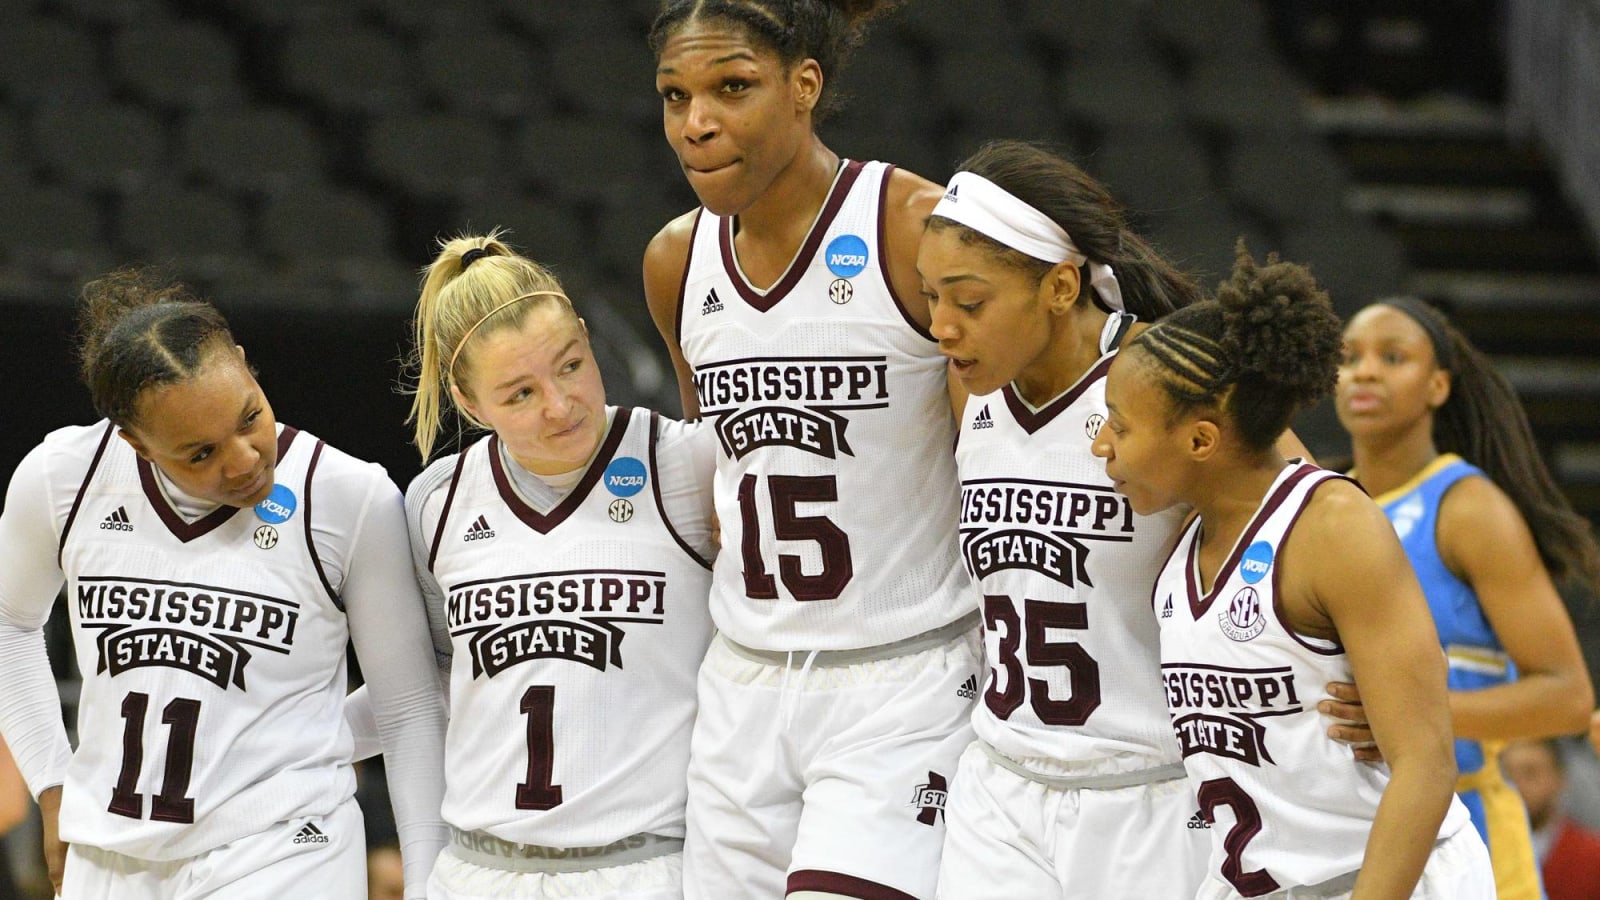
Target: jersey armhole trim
{"x": 444, "y": 514}
{"x": 883, "y": 256}
{"x": 655, "y": 488}
{"x": 311, "y": 544}
{"x": 1319, "y": 646}
{"x": 683, "y": 283}
{"x": 83, "y": 488}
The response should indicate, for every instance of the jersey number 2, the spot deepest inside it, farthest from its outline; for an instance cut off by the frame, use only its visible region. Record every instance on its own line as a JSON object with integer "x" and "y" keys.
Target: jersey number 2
{"x": 1246, "y": 825}
{"x": 1041, "y": 651}
{"x": 170, "y": 805}
{"x": 787, "y": 525}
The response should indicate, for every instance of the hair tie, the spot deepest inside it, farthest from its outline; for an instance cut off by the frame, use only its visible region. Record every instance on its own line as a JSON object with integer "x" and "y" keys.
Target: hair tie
{"x": 451, "y": 372}
{"x": 997, "y": 214}
{"x": 1430, "y": 320}
{"x": 473, "y": 255}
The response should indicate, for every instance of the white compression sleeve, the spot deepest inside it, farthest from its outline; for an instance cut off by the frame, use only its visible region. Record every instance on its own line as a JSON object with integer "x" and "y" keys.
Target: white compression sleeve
{"x": 390, "y": 633}
{"x": 30, "y": 707}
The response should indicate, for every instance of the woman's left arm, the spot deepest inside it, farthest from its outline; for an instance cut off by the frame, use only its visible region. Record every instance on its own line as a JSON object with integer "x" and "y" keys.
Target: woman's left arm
{"x": 390, "y": 632}
{"x": 1382, "y": 619}
{"x": 1484, "y": 540}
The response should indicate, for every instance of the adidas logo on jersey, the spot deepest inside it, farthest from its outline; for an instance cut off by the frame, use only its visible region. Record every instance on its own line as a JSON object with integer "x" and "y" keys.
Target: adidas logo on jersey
{"x": 983, "y": 419}
{"x": 1166, "y": 609}
{"x": 969, "y": 688}
{"x": 479, "y": 530}
{"x": 310, "y": 834}
{"x": 712, "y": 304}
{"x": 1198, "y": 821}
{"x": 117, "y": 521}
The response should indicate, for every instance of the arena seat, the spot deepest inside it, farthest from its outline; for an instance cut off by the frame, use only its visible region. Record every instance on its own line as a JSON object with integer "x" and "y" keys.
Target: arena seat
{"x": 100, "y": 146}
{"x": 178, "y": 65}
{"x": 45, "y": 61}
{"x": 434, "y": 155}
{"x": 348, "y": 70}
{"x": 258, "y": 149}
{"x": 483, "y": 72}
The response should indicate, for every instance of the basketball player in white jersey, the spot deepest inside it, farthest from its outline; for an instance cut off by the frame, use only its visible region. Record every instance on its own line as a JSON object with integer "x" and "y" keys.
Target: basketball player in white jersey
{"x": 216, "y": 563}
{"x": 1033, "y": 278}
{"x": 1286, "y": 576}
{"x": 1074, "y": 763}
{"x": 565, "y": 561}
{"x": 834, "y": 701}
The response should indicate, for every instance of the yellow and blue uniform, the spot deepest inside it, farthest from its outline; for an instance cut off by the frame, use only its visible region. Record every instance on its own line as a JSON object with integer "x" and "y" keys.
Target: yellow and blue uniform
{"x": 1477, "y": 661}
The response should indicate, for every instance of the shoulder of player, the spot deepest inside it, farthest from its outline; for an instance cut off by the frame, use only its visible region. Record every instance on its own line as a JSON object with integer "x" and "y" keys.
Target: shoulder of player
{"x": 1337, "y": 512}
{"x": 66, "y": 454}
{"x": 668, "y": 251}
{"x": 908, "y": 200}
{"x": 1475, "y": 515}
{"x": 350, "y": 478}
{"x": 666, "y": 258}
{"x": 430, "y": 480}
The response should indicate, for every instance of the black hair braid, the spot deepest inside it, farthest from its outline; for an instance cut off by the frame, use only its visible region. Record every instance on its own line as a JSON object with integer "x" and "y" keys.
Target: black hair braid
{"x": 1280, "y": 328}
{"x": 824, "y": 30}
{"x": 136, "y": 330}
{"x": 1484, "y": 423}
{"x": 1266, "y": 346}
{"x": 1089, "y": 214}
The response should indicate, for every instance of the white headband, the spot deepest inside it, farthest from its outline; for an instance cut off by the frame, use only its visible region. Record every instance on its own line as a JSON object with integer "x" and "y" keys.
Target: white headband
{"x": 995, "y": 213}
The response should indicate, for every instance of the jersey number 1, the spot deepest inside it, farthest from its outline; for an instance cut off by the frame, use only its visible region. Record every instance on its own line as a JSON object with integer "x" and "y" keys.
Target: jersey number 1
{"x": 539, "y": 705}
{"x": 170, "y": 805}
{"x": 787, "y": 525}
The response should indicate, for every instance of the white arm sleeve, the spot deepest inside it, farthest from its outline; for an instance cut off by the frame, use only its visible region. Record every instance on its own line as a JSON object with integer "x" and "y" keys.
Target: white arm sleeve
{"x": 686, "y": 463}
{"x": 390, "y": 633}
{"x": 424, "y": 500}
{"x": 30, "y": 707}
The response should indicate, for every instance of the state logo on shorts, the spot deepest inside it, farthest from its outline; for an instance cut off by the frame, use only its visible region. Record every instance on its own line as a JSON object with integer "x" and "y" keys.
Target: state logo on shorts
{"x": 930, "y": 797}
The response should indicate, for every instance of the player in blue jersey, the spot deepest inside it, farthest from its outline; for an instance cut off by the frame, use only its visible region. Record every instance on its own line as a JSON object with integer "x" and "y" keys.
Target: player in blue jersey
{"x": 1443, "y": 444}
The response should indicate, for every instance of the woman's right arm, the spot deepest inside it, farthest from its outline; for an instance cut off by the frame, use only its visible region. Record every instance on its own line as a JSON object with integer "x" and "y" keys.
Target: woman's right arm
{"x": 1382, "y": 619}
{"x": 666, "y": 261}
{"x": 30, "y": 707}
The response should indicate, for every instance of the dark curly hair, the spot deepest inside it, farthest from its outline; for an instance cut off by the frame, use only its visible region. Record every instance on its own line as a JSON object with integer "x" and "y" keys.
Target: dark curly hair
{"x": 137, "y": 330}
{"x": 823, "y": 30}
{"x": 1268, "y": 345}
{"x": 1151, "y": 286}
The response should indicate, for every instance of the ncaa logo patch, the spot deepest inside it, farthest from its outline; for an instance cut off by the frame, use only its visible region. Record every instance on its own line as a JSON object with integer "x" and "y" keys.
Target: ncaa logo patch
{"x": 1257, "y": 561}
{"x": 846, "y": 256}
{"x": 625, "y": 476}
{"x": 1241, "y": 619}
{"x": 278, "y": 507}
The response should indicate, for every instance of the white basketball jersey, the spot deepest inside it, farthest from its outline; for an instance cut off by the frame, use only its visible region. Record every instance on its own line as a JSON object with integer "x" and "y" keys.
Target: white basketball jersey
{"x": 1289, "y": 806}
{"x": 577, "y": 635}
{"x": 1065, "y": 568}
{"x": 213, "y": 660}
{"x": 836, "y": 489}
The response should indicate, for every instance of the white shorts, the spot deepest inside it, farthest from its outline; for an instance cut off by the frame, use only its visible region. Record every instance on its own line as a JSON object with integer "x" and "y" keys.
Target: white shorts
{"x": 828, "y": 777}
{"x": 1458, "y": 869}
{"x": 1010, "y": 836}
{"x": 660, "y": 878}
{"x": 329, "y": 852}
